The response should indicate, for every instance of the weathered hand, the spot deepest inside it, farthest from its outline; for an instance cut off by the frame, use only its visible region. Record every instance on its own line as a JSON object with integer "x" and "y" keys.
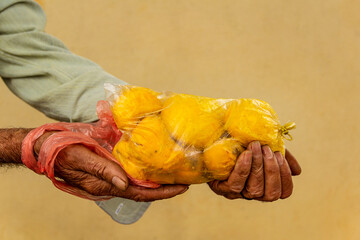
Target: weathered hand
{"x": 234, "y": 185}
{"x": 267, "y": 179}
{"x": 82, "y": 168}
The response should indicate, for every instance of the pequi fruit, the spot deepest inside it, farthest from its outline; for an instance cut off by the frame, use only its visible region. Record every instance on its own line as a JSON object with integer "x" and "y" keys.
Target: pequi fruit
{"x": 132, "y": 104}
{"x": 192, "y": 120}
{"x": 250, "y": 119}
{"x": 221, "y": 156}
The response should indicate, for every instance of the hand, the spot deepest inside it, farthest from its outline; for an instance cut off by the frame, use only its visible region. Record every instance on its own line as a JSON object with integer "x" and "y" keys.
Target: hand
{"x": 82, "y": 168}
{"x": 267, "y": 179}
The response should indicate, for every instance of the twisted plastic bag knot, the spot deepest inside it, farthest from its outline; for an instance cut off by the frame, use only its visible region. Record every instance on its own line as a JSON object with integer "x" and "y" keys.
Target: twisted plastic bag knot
{"x": 284, "y": 130}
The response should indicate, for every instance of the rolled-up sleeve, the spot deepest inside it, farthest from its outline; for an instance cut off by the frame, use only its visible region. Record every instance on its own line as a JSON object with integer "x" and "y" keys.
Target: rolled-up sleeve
{"x": 39, "y": 69}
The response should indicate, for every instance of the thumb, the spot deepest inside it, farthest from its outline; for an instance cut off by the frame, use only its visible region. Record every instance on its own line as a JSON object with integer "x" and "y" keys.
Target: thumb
{"x": 102, "y": 168}
{"x": 109, "y": 171}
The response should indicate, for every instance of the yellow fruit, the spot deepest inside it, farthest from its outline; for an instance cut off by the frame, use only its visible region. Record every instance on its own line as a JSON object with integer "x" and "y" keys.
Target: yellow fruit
{"x": 192, "y": 120}
{"x": 190, "y": 177}
{"x": 180, "y": 139}
{"x": 122, "y": 153}
{"x": 149, "y": 149}
{"x": 153, "y": 144}
{"x": 191, "y": 171}
{"x": 132, "y": 104}
{"x": 250, "y": 119}
{"x": 160, "y": 177}
{"x": 221, "y": 156}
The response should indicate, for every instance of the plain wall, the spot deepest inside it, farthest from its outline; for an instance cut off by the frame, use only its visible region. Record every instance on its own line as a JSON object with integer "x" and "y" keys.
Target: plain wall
{"x": 300, "y": 56}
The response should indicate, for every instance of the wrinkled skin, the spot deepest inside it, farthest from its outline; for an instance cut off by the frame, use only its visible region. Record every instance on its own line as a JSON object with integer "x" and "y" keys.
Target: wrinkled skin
{"x": 259, "y": 174}
{"x": 82, "y": 168}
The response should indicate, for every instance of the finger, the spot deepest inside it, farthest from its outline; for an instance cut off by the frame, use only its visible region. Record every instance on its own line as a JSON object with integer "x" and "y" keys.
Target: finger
{"x": 141, "y": 194}
{"x": 233, "y": 196}
{"x": 285, "y": 173}
{"x": 272, "y": 190}
{"x": 237, "y": 178}
{"x": 293, "y": 163}
{"x": 87, "y": 182}
{"x": 255, "y": 184}
{"x": 89, "y": 162}
{"x": 214, "y": 186}
{"x": 108, "y": 170}
{"x": 97, "y": 187}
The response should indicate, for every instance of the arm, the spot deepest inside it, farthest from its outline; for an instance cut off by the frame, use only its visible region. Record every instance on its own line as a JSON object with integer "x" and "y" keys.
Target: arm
{"x": 39, "y": 68}
{"x": 10, "y": 145}
{"x": 82, "y": 168}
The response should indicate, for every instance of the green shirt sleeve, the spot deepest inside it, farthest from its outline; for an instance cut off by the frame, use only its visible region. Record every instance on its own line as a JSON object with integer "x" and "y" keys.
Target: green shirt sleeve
{"x": 39, "y": 68}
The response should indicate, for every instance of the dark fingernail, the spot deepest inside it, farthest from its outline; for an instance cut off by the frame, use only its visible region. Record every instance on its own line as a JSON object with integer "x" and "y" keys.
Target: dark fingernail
{"x": 119, "y": 183}
{"x": 267, "y": 151}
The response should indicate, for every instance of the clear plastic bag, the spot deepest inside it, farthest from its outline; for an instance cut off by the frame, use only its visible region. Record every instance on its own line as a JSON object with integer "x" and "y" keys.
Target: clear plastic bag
{"x": 173, "y": 138}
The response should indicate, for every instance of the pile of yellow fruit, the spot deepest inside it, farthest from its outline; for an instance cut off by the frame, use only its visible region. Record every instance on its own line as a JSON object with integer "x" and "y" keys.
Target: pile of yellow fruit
{"x": 177, "y": 138}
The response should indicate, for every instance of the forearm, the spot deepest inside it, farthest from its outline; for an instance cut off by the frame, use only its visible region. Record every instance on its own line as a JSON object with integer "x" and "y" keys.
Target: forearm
{"x": 10, "y": 144}
{"x": 39, "y": 69}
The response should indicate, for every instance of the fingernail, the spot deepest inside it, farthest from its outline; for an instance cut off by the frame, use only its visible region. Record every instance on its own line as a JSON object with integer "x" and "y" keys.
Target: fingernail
{"x": 255, "y": 145}
{"x": 119, "y": 183}
{"x": 267, "y": 151}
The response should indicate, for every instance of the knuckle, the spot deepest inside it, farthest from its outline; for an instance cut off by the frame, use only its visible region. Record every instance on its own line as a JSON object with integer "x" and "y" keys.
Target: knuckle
{"x": 255, "y": 186}
{"x": 214, "y": 186}
{"x": 138, "y": 197}
{"x": 100, "y": 169}
{"x": 246, "y": 166}
{"x": 229, "y": 196}
{"x": 257, "y": 153}
{"x": 243, "y": 173}
{"x": 247, "y": 195}
{"x": 272, "y": 169}
{"x": 236, "y": 188}
{"x": 257, "y": 171}
{"x": 73, "y": 178}
{"x": 93, "y": 188}
{"x": 254, "y": 193}
{"x": 273, "y": 196}
{"x": 251, "y": 195}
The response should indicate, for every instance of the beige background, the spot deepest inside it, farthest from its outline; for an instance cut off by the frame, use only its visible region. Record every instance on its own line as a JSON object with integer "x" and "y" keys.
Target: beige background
{"x": 301, "y": 56}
